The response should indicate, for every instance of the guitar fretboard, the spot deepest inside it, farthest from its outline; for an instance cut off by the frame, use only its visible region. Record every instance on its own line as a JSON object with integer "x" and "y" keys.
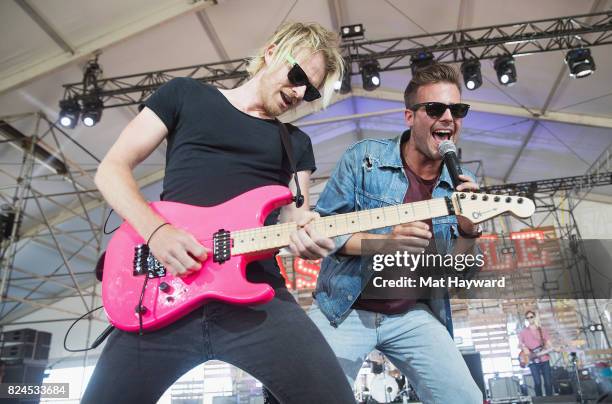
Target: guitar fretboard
{"x": 277, "y": 236}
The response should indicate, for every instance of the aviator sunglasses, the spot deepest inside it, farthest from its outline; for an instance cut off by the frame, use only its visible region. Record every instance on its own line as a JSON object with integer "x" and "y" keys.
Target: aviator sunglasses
{"x": 298, "y": 78}
{"x": 437, "y": 109}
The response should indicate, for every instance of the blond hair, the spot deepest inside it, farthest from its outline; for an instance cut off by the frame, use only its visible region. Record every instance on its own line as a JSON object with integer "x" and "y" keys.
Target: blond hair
{"x": 292, "y": 37}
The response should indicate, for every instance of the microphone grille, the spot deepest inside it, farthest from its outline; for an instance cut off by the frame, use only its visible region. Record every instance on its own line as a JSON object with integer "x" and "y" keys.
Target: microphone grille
{"x": 447, "y": 146}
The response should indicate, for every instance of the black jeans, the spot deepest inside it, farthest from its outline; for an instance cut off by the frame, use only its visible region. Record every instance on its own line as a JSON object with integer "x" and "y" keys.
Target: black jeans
{"x": 537, "y": 369}
{"x": 276, "y": 343}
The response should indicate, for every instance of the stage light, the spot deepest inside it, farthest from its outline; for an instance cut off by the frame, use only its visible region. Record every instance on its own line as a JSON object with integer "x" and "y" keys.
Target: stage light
{"x": 592, "y": 328}
{"x": 69, "y": 113}
{"x": 599, "y": 327}
{"x": 92, "y": 110}
{"x": 370, "y": 75}
{"x": 580, "y": 63}
{"x": 472, "y": 77}
{"x": 506, "y": 71}
{"x": 343, "y": 86}
{"x": 420, "y": 60}
{"x": 352, "y": 32}
{"x": 7, "y": 221}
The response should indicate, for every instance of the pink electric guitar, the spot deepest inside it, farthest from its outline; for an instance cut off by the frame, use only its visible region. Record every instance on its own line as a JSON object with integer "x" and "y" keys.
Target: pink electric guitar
{"x": 233, "y": 231}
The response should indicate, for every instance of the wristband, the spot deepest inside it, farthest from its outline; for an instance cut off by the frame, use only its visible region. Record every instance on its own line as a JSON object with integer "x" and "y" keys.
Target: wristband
{"x": 154, "y": 231}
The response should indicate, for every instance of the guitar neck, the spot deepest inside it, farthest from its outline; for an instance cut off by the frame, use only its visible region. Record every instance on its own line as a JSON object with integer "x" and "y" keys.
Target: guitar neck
{"x": 277, "y": 236}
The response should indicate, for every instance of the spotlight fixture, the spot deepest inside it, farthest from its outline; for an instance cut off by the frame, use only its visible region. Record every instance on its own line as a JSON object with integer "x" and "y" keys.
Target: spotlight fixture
{"x": 343, "y": 86}
{"x": 69, "y": 113}
{"x": 420, "y": 60}
{"x": 352, "y": 32}
{"x": 92, "y": 110}
{"x": 7, "y": 221}
{"x": 580, "y": 63}
{"x": 472, "y": 77}
{"x": 595, "y": 327}
{"x": 370, "y": 75}
{"x": 505, "y": 69}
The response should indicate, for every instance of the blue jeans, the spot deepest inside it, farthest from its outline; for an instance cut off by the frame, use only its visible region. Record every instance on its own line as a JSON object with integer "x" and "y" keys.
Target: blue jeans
{"x": 537, "y": 369}
{"x": 415, "y": 342}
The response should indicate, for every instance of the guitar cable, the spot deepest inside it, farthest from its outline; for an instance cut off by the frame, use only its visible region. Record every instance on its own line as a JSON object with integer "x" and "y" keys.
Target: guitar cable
{"x": 98, "y": 340}
{"x": 106, "y": 222}
{"x": 140, "y": 308}
{"x": 108, "y": 329}
{"x": 104, "y": 334}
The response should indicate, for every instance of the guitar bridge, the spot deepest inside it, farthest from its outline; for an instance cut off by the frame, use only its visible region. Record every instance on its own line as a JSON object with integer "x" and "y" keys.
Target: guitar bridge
{"x": 222, "y": 244}
{"x": 146, "y": 263}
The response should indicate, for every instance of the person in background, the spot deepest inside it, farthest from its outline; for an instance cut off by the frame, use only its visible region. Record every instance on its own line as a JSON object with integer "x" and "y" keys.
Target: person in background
{"x": 534, "y": 342}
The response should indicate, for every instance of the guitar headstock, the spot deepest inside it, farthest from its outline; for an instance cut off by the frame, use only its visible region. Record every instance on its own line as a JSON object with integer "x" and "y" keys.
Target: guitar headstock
{"x": 480, "y": 207}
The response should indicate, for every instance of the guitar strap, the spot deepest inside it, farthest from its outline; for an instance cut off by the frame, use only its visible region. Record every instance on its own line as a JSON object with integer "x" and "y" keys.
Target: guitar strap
{"x": 285, "y": 139}
{"x": 541, "y": 337}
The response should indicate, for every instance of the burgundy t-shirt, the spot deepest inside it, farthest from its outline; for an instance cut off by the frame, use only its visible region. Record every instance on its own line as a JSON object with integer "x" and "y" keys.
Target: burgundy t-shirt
{"x": 419, "y": 190}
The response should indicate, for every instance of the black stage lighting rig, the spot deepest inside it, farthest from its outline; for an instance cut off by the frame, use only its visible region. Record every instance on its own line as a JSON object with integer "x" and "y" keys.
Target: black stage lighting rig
{"x": 7, "y": 221}
{"x": 420, "y": 60}
{"x": 370, "y": 75}
{"x": 457, "y": 46}
{"x": 69, "y": 112}
{"x": 505, "y": 69}
{"x": 580, "y": 63}
{"x": 472, "y": 76}
{"x": 352, "y": 32}
{"x": 92, "y": 110}
{"x": 343, "y": 86}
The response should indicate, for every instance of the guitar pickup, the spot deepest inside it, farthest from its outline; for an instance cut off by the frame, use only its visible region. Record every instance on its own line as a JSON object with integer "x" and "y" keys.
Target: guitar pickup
{"x": 222, "y": 245}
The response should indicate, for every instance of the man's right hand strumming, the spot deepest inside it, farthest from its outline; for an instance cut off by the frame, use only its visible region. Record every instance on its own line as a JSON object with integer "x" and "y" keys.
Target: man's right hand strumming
{"x": 177, "y": 250}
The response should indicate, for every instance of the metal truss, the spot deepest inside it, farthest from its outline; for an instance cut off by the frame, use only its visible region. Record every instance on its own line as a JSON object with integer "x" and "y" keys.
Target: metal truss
{"x": 558, "y": 198}
{"x": 21, "y": 288}
{"x": 578, "y": 183}
{"x": 522, "y": 38}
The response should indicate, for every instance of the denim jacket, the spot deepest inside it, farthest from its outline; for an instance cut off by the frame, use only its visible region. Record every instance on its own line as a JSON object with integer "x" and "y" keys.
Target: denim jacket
{"x": 371, "y": 175}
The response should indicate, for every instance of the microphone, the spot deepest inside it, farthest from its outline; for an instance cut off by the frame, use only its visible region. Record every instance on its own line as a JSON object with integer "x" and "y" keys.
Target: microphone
{"x": 448, "y": 151}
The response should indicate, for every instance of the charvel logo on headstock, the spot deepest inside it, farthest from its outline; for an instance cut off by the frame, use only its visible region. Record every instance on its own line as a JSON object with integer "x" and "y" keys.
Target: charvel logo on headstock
{"x": 477, "y": 215}
{"x": 480, "y": 207}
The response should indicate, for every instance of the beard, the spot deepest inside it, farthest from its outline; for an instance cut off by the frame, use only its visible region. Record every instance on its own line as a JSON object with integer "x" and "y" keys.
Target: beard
{"x": 268, "y": 95}
{"x": 270, "y": 107}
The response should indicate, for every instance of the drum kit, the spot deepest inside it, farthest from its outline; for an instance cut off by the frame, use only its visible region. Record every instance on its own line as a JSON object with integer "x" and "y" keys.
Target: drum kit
{"x": 385, "y": 384}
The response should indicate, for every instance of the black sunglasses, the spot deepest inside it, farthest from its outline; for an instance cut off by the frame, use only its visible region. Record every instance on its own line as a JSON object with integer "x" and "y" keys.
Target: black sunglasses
{"x": 437, "y": 109}
{"x": 298, "y": 78}
{"x": 529, "y": 317}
